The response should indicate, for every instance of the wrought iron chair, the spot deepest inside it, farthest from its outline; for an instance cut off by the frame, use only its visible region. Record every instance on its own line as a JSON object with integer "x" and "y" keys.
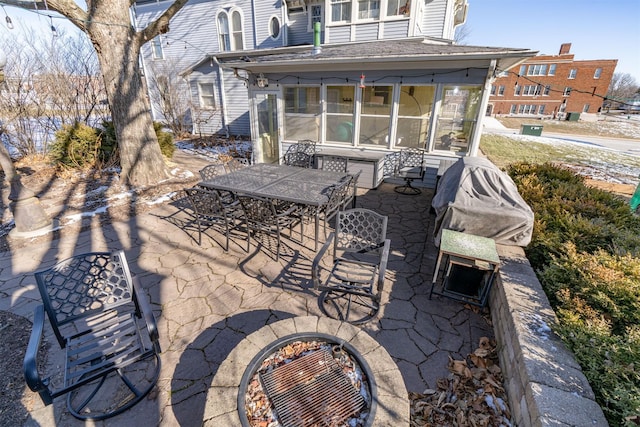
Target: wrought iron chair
{"x": 326, "y": 212}
{"x": 352, "y": 192}
{"x": 105, "y": 324}
{"x": 262, "y": 216}
{"x": 351, "y": 290}
{"x": 214, "y": 170}
{"x": 211, "y": 171}
{"x": 209, "y": 209}
{"x": 307, "y": 146}
{"x": 299, "y": 159}
{"x": 334, "y": 164}
{"x": 410, "y": 168}
{"x": 237, "y": 163}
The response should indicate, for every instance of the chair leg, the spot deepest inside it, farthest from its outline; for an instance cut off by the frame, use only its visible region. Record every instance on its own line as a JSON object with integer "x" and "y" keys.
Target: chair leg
{"x": 349, "y": 307}
{"x": 136, "y": 395}
{"x": 407, "y": 189}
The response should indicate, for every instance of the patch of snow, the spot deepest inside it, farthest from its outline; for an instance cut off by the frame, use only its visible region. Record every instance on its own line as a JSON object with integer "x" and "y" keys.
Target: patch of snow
{"x": 165, "y": 198}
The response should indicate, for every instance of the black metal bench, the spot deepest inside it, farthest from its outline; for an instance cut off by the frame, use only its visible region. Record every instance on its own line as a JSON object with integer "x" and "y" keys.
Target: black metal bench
{"x": 107, "y": 328}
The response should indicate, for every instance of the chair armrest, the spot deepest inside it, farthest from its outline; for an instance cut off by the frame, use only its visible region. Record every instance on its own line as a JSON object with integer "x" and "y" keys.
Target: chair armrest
{"x": 30, "y": 364}
{"x": 384, "y": 257}
{"x": 147, "y": 313}
{"x": 315, "y": 267}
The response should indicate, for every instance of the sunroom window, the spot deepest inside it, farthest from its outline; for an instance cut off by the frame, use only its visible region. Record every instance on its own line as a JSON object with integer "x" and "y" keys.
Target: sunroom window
{"x": 375, "y": 115}
{"x": 340, "y": 109}
{"x": 457, "y": 117}
{"x": 414, "y": 115}
{"x": 340, "y": 10}
{"x": 368, "y": 9}
{"x": 302, "y": 113}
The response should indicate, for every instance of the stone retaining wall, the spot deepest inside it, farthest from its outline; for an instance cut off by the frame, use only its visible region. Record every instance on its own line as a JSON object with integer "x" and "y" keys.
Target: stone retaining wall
{"x": 544, "y": 383}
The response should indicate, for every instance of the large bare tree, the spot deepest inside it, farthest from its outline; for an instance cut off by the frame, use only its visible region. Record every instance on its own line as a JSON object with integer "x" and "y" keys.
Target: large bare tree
{"x": 117, "y": 44}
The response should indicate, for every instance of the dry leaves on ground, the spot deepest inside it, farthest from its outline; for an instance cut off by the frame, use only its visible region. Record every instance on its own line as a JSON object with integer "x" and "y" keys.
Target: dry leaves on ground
{"x": 472, "y": 396}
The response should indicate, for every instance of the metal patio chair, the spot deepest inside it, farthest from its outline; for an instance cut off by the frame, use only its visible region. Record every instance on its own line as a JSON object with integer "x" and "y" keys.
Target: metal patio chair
{"x": 262, "y": 216}
{"x": 327, "y": 211}
{"x": 210, "y": 209}
{"x": 307, "y": 146}
{"x": 236, "y": 163}
{"x": 351, "y": 290}
{"x": 211, "y": 171}
{"x": 299, "y": 159}
{"x": 334, "y": 164}
{"x": 352, "y": 192}
{"x": 104, "y": 323}
{"x": 410, "y": 168}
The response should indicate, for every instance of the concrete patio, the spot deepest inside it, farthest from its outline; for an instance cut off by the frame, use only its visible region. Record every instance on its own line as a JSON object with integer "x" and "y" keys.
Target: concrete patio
{"x": 207, "y": 302}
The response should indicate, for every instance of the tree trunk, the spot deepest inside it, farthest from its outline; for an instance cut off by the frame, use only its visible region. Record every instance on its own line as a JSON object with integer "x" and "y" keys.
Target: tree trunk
{"x": 118, "y": 49}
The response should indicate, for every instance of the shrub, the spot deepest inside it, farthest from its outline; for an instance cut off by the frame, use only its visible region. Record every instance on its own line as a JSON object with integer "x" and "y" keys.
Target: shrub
{"x": 165, "y": 139}
{"x": 76, "y": 145}
{"x": 585, "y": 250}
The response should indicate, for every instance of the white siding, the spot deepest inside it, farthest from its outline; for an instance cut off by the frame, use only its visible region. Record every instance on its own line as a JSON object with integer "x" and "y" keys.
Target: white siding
{"x": 396, "y": 29}
{"x": 366, "y": 32}
{"x": 264, "y": 11}
{"x": 298, "y": 29}
{"x": 341, "y": 34}
{"x": 434, "y": 18}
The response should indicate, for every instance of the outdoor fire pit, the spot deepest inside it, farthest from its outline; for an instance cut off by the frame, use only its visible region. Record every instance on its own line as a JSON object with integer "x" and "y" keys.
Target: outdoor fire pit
{"x": 307, "y": 379}
{"x": 307, "y": 371}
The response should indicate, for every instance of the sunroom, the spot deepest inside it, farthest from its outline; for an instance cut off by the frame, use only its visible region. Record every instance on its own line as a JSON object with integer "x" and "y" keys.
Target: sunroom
{"x": 369, "y": 100}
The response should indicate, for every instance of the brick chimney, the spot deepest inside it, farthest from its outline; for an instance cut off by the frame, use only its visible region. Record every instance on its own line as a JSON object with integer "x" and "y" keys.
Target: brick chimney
{"x": 565, "y": 48}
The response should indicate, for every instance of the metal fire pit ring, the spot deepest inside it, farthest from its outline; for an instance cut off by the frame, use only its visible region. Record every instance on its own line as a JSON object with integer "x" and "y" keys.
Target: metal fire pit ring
{"x": 255, "y": 365}
{"x": 221, "y": 405}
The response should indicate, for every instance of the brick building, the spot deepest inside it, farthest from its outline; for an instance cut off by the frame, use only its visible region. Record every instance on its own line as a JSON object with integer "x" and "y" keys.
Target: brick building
{"x": 552, "y": 86}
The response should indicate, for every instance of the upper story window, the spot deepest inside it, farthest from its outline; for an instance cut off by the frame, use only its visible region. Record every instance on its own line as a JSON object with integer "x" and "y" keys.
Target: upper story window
{"x": 547, "y": 90}
{"x": 552, "y": 69}
{"x": 501, "y": 90}
{"x": 368, "y": 9}
{"x": 340, "y": 10}
{"x": 398, "y": 7}
{"x": 523, "y": 70}
{"x": 537, "y": 70}
{"x": 493, "y": 89}
{"x": 274, "y": 27}
{"x": 230, "y": 31}
{"x": 156, "y": 47}
{"x": 316, "y": 15}
{"x": 598, "y": 73}
{"x": 567, "y": 91}
{"x": 573, "y": 73}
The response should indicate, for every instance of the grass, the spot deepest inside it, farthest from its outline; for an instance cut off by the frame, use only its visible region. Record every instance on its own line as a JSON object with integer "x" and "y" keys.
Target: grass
{"x": 611, "y": 126}
{"x": 503, "y": 151}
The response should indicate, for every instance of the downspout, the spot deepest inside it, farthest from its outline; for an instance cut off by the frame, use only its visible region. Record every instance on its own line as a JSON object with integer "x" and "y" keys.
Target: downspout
{"x": 223, "y": 97}
{"x": 486, "y": 91}
{"x": 253, "y": 16}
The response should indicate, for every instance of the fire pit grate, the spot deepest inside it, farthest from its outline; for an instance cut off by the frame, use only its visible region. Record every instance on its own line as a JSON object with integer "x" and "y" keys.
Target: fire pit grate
{"x": 311, "y": 391}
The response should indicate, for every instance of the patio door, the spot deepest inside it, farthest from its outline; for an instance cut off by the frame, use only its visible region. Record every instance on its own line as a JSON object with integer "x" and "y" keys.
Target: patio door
{"x": 268, "y": 147}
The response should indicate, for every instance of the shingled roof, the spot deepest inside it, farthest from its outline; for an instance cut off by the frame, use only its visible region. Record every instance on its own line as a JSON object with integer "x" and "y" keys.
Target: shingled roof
{"x": 405, "y": 53}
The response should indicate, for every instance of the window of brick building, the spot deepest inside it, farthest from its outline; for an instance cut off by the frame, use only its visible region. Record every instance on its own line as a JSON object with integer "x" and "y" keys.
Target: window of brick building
{"x": 585, "y": 109}
{"x": 552, "y": 69}
{"x": 501, "y": 90}
{"x": 567, "y": 91}
{"x": 597, "y": 74}
{"x": 573, "y": 73}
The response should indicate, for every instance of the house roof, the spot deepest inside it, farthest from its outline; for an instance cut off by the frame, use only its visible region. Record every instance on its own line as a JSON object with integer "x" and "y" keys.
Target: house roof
{"x": 412, "y": 53}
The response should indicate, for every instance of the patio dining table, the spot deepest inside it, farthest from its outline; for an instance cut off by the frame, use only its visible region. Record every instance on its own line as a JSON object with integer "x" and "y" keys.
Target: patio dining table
{"x": 304, "y": 186}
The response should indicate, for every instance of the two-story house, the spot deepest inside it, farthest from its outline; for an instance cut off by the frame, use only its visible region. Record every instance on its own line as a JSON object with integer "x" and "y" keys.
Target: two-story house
{"x": 354, "y": 75}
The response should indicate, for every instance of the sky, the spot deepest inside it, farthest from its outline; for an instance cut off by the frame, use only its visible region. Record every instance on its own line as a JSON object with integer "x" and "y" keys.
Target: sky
{"x": 596, "y": 29}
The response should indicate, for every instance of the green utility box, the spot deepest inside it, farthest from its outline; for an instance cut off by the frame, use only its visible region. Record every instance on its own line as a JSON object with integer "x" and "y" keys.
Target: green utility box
{"x": 534, "y": 130}
{"x": 573, "y": 117}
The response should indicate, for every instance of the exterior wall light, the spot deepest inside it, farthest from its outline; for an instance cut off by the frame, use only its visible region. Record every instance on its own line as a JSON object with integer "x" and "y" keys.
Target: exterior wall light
{"x": 262, "y": 81}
